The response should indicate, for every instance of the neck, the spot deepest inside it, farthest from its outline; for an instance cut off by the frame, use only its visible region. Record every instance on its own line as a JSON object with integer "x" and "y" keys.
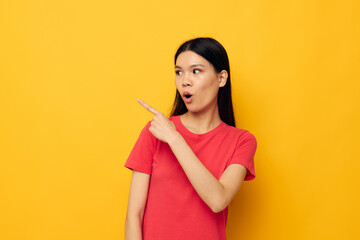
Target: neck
{"x": 201, "y": 122}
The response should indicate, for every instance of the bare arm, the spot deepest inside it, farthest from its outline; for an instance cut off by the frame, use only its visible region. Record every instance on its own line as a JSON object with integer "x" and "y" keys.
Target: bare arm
{"x": 217, "y": 194}
{"x": 136, "y": 205}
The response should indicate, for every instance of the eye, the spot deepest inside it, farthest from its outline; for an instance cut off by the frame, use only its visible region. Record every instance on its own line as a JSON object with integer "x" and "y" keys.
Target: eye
{"x": 178, "y": 72}
{"x": 196, "y": 71}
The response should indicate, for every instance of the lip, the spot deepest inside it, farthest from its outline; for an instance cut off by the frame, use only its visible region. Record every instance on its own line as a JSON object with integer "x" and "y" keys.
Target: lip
{"x": 187, "y": 100}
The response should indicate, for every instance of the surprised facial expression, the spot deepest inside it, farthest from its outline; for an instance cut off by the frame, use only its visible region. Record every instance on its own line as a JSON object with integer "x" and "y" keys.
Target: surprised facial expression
{"x": 197, "y": 81}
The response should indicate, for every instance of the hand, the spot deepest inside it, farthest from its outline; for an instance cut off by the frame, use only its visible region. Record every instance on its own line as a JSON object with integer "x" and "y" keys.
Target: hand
{"x": 161, "y": 127}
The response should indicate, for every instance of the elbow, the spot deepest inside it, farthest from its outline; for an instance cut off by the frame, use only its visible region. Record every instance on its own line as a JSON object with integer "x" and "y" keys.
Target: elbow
{"x": 135, "y": 216}
{"x": 218, "y": 206}
{"x": 216, "y": 210}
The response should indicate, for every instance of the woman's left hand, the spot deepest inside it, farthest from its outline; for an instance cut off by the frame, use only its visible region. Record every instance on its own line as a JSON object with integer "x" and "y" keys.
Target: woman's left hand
{"x": 161, "y": 127}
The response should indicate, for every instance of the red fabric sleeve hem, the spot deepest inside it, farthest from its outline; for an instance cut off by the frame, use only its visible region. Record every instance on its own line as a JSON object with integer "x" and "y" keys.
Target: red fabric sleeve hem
{"x": 138, "y": 168}
{"x": 250, "y": 174}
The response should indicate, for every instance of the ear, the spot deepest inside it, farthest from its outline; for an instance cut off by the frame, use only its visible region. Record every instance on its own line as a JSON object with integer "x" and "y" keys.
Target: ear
{"x": 223, "y": 76}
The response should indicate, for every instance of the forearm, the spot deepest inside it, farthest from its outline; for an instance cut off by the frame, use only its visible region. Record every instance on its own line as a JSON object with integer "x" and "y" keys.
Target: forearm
{"x": 206, "y": 185}
{"x": 133, "y": 228}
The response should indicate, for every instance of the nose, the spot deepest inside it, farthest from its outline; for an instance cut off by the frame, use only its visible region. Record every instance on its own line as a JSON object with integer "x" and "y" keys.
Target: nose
{"x": 187, "y": 81}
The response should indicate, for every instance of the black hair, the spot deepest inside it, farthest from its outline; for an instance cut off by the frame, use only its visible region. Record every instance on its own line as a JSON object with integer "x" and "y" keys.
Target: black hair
{"x": 215, "y": 53}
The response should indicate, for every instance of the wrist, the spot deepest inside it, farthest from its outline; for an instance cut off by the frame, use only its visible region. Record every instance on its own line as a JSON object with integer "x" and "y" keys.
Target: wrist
{"x": 175, "y": 138}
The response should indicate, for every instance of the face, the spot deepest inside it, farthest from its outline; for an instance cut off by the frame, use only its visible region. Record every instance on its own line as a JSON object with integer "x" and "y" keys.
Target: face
{"x": 197, "y": 81}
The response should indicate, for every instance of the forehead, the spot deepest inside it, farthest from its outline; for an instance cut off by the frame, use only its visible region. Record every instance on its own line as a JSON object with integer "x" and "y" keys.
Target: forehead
{"x": 189, "y": 58}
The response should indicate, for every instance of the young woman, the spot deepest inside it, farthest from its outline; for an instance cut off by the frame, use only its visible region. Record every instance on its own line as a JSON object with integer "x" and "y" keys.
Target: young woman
{"x": 188, "y": 168}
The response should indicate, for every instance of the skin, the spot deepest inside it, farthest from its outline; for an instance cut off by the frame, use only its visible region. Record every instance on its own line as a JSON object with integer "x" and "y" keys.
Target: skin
{"x": 197, "y": 76}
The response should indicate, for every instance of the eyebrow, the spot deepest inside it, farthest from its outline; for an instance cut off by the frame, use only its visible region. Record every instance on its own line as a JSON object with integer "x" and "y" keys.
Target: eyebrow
{"x": 192, "y": 66}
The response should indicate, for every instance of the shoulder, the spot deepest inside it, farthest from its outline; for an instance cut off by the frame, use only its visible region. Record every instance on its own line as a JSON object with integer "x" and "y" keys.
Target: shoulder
{"x": 241, "y": 137}
{"x": 174, "y": 118}
{"x": 145, "y": 130}
{"x": 146, "y": 127}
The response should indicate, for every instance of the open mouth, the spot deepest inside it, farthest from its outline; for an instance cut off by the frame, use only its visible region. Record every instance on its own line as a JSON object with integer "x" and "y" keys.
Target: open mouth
{"x": 187, "y": 97}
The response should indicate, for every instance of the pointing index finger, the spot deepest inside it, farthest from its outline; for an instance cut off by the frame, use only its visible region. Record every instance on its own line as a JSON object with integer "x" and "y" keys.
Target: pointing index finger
{"x": 148, "y": 107}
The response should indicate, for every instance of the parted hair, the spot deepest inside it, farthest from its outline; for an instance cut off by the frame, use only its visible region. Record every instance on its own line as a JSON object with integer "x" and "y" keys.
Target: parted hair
{"x": 215, "y": 53}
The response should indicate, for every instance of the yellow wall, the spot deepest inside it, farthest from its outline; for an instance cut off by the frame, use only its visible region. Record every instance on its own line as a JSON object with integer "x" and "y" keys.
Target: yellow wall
{"x": 70, "y": 74}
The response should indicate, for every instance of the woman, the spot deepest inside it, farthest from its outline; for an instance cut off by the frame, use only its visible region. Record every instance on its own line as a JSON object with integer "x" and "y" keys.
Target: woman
{"x": 188, "y": 168}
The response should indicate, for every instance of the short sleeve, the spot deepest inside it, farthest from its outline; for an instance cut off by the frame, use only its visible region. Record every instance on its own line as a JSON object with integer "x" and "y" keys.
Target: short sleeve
{"x": 244, "y": 154}
{"x": 141, "y": 156}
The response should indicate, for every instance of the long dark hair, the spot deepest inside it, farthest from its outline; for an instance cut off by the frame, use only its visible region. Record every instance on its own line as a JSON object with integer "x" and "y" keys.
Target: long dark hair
{"x": 215, "y": 53}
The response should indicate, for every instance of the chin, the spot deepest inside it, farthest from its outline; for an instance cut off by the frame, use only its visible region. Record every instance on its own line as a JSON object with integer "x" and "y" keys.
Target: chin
{"x": 193, "y": 109}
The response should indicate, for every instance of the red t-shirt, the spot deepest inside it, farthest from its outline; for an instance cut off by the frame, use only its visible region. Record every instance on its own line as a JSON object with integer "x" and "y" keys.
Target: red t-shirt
{"x": 174, "y": 210}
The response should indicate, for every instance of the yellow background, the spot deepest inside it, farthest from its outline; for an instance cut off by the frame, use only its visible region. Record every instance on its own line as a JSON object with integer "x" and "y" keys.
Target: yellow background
{"x": 71, "y": 72}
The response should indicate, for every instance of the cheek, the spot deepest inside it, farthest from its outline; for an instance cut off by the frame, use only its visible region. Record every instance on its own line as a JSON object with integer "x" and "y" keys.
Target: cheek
{"x": 177, "y": 83}
{"x": 209, "y": 86}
